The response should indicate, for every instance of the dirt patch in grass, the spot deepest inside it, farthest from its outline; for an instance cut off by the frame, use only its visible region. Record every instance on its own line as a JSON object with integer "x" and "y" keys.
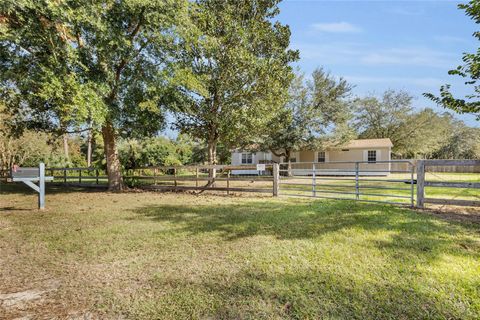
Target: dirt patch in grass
{"x": 455, "y": 213}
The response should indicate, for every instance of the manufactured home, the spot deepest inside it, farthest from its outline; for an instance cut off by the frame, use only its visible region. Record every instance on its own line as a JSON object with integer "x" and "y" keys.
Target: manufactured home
{"x": 371, "y": 153}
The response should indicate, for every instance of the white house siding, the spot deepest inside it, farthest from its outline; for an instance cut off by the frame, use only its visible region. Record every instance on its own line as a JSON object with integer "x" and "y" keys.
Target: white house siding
{"x": 257, "y": 157}
{"x": 305, "y": 158}
{"x": 333, "y": 162}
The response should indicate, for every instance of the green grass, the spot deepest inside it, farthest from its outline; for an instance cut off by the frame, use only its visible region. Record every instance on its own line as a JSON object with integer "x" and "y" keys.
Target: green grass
{"x": 170, "y": 256}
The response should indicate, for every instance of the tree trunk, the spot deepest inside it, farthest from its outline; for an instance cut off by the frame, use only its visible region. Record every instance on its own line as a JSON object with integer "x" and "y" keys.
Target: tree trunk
{"x": 115, "y": 181}
{"x": 65, "y": 147}
{"x": 89, "y": 148}
{"x": 287, "y": 160}
{"x": 212, "y": 160}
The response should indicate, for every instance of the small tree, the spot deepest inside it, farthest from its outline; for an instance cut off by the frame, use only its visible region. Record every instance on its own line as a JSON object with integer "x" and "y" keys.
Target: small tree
{"x": 470, "y": 71}
{"x": 315, "y": 115}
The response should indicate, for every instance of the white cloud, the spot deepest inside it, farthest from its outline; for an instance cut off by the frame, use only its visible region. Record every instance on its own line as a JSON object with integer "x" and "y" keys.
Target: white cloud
{"x": 336, "y": 27}
{"x": 355, "y": 53}
{"x": 426, "y": 82}
{"x": 406, "y": 11}
{"x": 330, "y": 53}
{"x": 450, "y": 39}
{"x": 413, "y": 56}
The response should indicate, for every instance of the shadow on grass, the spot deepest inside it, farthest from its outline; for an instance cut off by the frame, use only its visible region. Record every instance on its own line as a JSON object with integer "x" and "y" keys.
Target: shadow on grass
{"x": 322, "y": 294}
{"x": 413, "y": 239}
{"x": 411, "y": 231}
{"x": 21, "y": 188}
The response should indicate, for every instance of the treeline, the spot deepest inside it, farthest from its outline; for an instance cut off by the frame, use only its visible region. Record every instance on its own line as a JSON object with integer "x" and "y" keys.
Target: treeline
{"x": 415, "y": 134}
{"x": 321, "y": 112}
{"x": 31, "y": 148}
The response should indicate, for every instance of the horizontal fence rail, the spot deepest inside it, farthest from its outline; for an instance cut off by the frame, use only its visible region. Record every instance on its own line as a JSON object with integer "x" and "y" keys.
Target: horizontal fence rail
{"x": 245, "y": 178}
{"x": 375, "y": 181}
{"x": 399, "y": 182}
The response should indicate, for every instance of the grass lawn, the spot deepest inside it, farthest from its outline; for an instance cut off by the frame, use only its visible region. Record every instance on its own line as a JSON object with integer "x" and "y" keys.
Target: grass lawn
{"x": 178, "y": 256}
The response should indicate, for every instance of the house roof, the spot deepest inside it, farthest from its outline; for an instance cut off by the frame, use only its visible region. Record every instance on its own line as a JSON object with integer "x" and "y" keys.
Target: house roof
{"x": 367, "y": 143}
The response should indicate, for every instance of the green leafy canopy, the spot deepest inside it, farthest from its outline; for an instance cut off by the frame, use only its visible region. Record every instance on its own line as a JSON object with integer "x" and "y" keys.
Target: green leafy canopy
{"x": 235, "y": 68}
{"x": 63, "y": 63}
{"x": 470, "y": 70}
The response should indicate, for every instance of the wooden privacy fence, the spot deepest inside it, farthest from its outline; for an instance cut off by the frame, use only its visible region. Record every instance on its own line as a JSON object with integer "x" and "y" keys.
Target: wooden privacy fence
{"x": 426, "y": 170}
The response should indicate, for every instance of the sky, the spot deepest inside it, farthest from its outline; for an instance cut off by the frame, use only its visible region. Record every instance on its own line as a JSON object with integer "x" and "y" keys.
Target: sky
{"x": 380, "y": 45}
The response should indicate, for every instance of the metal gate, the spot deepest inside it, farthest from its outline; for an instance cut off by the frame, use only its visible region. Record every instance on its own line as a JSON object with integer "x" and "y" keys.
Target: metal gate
{"x": 380, "y": 181}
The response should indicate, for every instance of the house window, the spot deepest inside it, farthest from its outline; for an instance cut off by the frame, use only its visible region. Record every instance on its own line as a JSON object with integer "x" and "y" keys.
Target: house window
{"x": 247, "y": 158}
{"x": 372, "y": 155}
{"x": 321, "y": 156}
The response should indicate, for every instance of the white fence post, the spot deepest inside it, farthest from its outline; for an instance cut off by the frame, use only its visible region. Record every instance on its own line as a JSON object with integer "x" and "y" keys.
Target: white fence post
{"x": 314, "y": 181}
{"x": 357, "y": 187}
{"x": 41, "y": 187}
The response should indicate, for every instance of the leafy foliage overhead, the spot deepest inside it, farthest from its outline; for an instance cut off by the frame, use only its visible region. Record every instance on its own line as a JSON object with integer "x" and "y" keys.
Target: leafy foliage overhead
{"x": 470, "y": 70}
{"x": 235, "y": 68}
{"x": 63, "y": 62}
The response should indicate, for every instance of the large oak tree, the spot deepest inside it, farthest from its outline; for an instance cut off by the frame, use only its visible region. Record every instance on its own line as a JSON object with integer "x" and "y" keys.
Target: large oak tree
{"x": 237, "y": 60}
{"x": 70, "y": 62}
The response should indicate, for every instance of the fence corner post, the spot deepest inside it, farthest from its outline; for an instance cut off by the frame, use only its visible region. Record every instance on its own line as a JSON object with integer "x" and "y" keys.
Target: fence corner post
{"x": 276, "y": 179}
{"x": 421, "y": 184}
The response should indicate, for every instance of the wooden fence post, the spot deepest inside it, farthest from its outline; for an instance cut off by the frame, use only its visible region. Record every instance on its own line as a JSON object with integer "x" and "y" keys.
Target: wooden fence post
{"x": 196, "y": 177}
{"x": 412, "y": 185}
{"x": 96, "y": 176}
{"x": 80, "y": 176}
{"x": 175, "y": 178}
{"x": 228, "y": 182}
{"x": 155, "y": 176}
{"x": 65, "y": 176}
{"x": 420, "y": 183}
{"x": 276, "y": 179}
